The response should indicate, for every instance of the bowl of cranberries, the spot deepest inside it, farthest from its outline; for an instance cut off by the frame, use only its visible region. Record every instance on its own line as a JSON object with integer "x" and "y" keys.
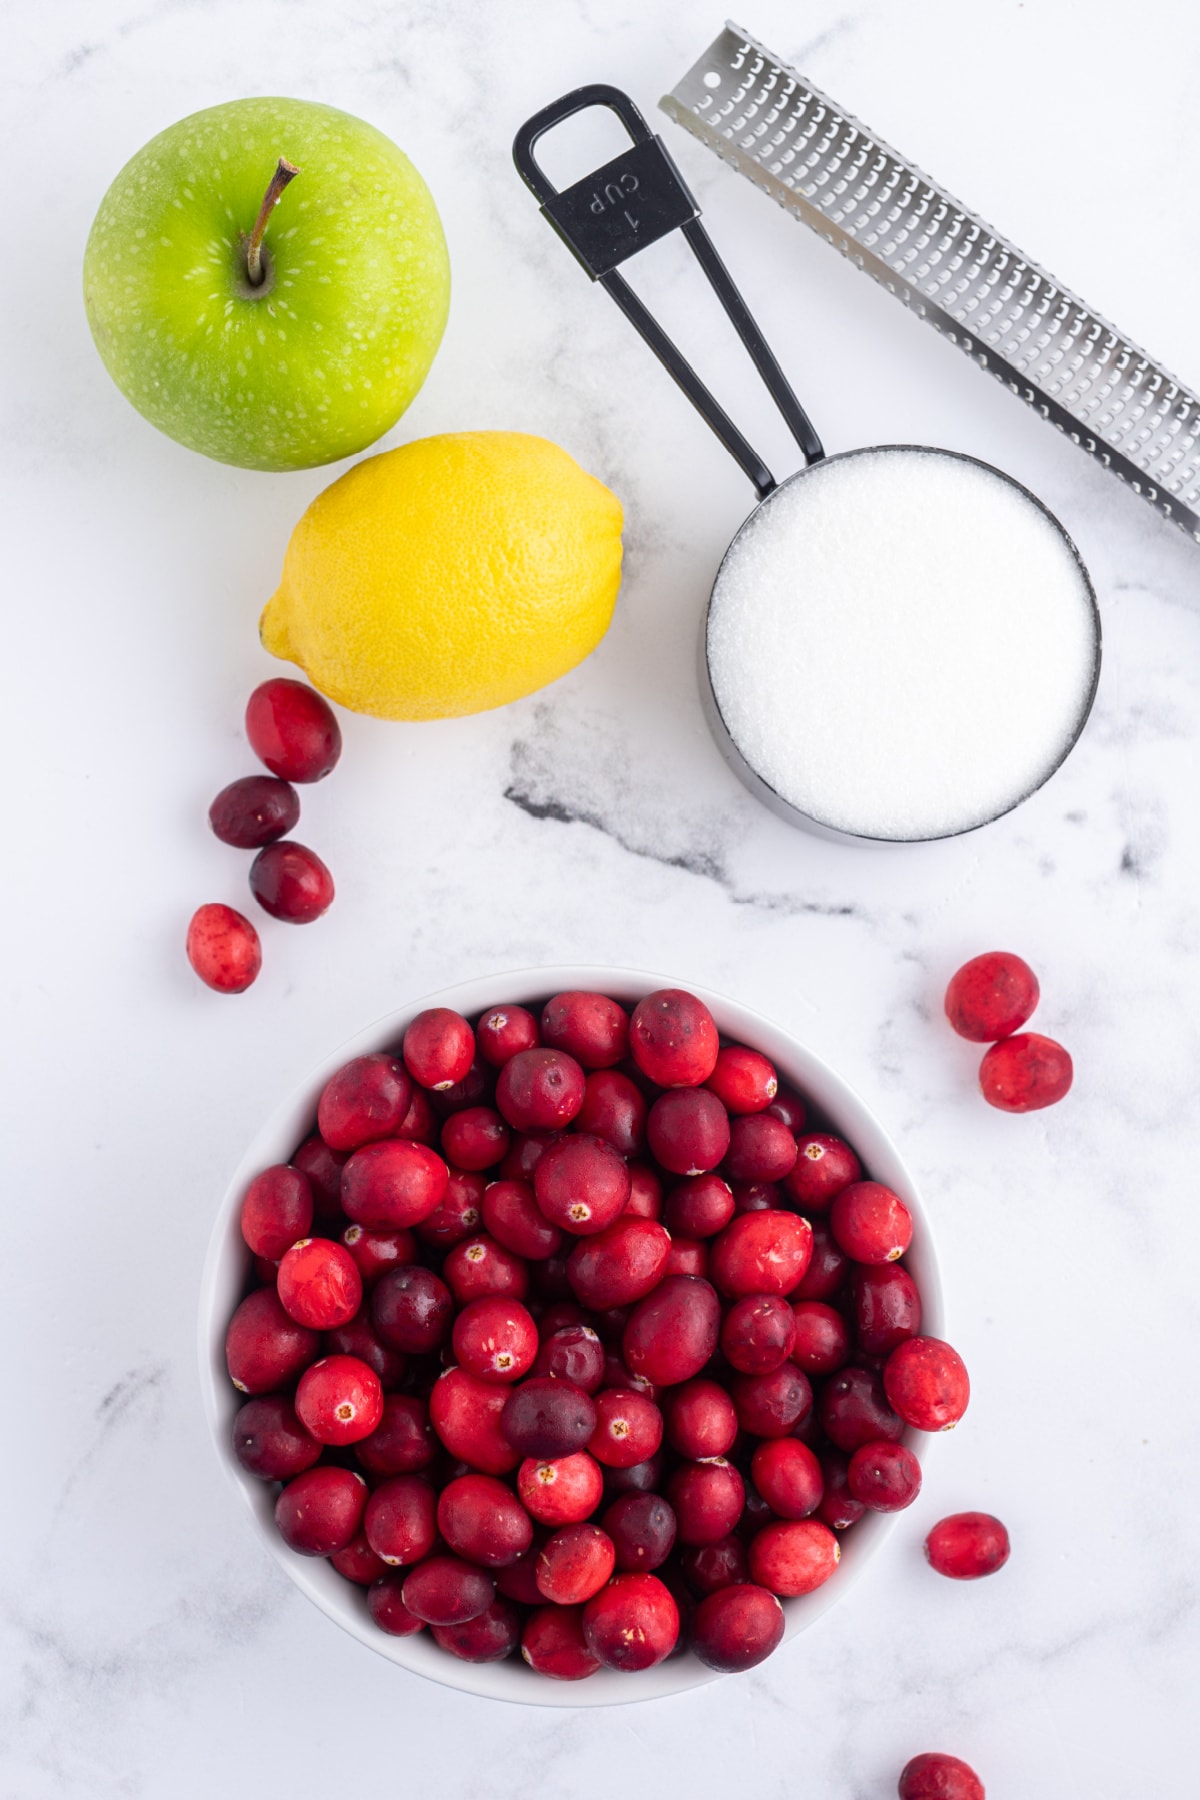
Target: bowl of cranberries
{"x": 574, "y": 1337}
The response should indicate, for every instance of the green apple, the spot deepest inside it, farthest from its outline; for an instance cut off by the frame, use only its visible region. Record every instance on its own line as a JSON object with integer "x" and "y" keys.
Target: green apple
{"x": 271, "y": 329}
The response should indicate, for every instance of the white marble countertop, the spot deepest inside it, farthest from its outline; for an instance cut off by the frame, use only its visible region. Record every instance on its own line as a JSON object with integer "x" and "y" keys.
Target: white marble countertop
{"x": 151, "y": 1650}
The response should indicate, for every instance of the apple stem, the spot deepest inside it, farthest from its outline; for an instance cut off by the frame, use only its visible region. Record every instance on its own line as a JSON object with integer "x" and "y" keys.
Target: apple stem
{"x": 284, "y": 172}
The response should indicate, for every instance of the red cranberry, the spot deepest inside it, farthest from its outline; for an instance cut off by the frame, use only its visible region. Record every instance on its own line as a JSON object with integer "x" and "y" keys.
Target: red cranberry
{"x": 480, "y": 1267}
{"x": 482, "y": 1519}
{"x": 709, "y": 1567}
{"x": 412, "y": 1309}
{"x": 688, "y": 1131}
{"x": 771, "y": 1406}
{"x": 673, "y": 1331}
{"x": 700, "y": 1420}
{"x": 673, "y": 1039}
{"x": 854, "y": 1410}
{"x": 631, "y": 1624}
{"x": 366, "y": 1100}
{"x": 393, "y": 1184}
{"x": 439, "y": 1048}
{"x": 552, "y": 1643}
{"x": 319, "y": 1284}
{"x": 495, "y": 1338}
{"x": 377, "y": 1252}
{"x": 824, "y": 1165}
{"x": 339, "y": 1400}
{"x": 292, "y": 730}
{"x": 254, "y": 811}
{"x": 871, "y": 1223}
{"x": 640, "y": 1478}
{"x": 358, "y": 1562}
{"x": 743, "y": 1080}
{"x": 524, "y": 1154}
{"x": 387, "y": 1608}
{"x": 788, "y": 1476}
{"x": 573, "y": 1353}
{"x": 359, "y": 1339}
{"x": 629, "y": 1428}
{"x": 934, "y": 1776}
{"x": 540, "y": 1090}
{"x": 491, "y": 1637}
{"x": 277, "y": 1210}
{"x": 645, "y": 1192}
{"x": 264, "y": 1348}
{"x": 400, "y": 1519}
{"x": 927, "y": 1383}
{"x": 619, "y": 1265}
{"x": 465, "y": 1413}
{"x": 323, "y": 1167}
{"x": 575, "y": 1564}
{"x": 761, "y": 1148}
{"x": 590, "y": 1027}
{"x": 477, "y": 1088}
{"x": 581, "y": 1184}
{"x": 518, "y": 1580}
{"x": 548, "y": 1417}
{"x": 822, "y": 1340}
{"x": 789, "y": 1109}
{"x": 885, "y": 1477}
{"x": 887, "y": 1307}
{"x": 793, "y": 1556}
{"x": 420, "y": 1125}
{"x": 320, "y": 1511}
{"x": 269, "y": 1441}
{"x": 475, "y": 1138}
{"x": 223, "y": 948}
{"x": 615, "y": 1110}
{"x": 758, "y": 1333}
{"x": 445, "y": 1590}
{"x": 838, "y": 1508}
{"x": 1024, "y": 1073}
{"x": 708, "y": 1498}
{"x": 699, "y": 1207}
{"x": 827, "y": 1271}
{"x": 756, "y": 1196}
{"x": 736, "y": 1628}
{"x": 290, "y": 882}
{"x": 403, "y": 1440}
{"x": 504, "y": 1031}
{"x": 991, "y": 996}
{"x": 761, "y": 1253}
{"x": 687, "y": 1256}
{"x": 513, "y": 1217}
{"x": 459, "y": 1214}
{"x": 964, "y": 1546}
{"x": 560, "y": 1490}
{"x": 642, "y": 1529}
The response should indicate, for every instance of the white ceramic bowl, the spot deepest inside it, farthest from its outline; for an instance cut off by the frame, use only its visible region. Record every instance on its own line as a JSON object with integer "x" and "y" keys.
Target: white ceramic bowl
{"x": 224, "y": 1281}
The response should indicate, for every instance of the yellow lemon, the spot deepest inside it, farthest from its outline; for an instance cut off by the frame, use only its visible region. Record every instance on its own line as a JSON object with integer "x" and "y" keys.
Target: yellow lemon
{"x": 448, "y": 576}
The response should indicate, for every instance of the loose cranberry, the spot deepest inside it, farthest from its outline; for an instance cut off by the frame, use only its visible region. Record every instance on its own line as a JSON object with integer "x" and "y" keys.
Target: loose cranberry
{"x": 699, "y": 1207}
{"x": 465, "y": 1413}
{"x": 645, "y": 1192}
{"x": 1024, "y": 1073}
{"x": 482, "y": 1519}
{"x": 991, "y": 996}
{"x": 793, "y": 1556}
{"x": 264, "y": 1348}
{"x": 758, "y": 1333}
{"x": 269, "y": 1441}
{"x": 491, "y": 1637}
{"x": 323, "y": 1167}
{"x": 319, "y": 1284}
{"x": 518, "y": 1580}
{"x": 887, "y": 1307}
{"x": 619, "y": 1265}
{"x": 642, "y": 1529}
{"x": 826, "y": 1273}
{"x": 761, "y": 1148}
{"x": 871, "y": 1223}
{"x": 420, "y": 1123}
{"x": 495, "y": 1338}
{"x": 631, "y": 1624}
{"x": 964, "y": 1546}
{"x": 277, "y": 1210}
{"x": 581, "y": 1184}
{"x": 480, "y": 1266}
{"x": 838, "y": 1508}
{"x": 573, "y": 1353}
{"x": 736, "y": 1628}
{"x": 445, "y": 1590}
{"x": 885, "y": 1477}
{"x": 927, "y": 1383}
{"x": 548, "y": 1417}
{"x": 710, "y": 1567}
{"x": 400, "y": 1519}
{"x": 393, "y": 1184}
{"x": 254, "y": 811}
{"x": 504, "y": 1031}
{"x": 366, "y": 1100}
{"x": 629, "y": 1428}
{"x": 377, "y": 1252}
{"x": 743, "y": 1080}
{"x": 552, "y": 1643}
{"x": 687, "y": 1256}
{"x": 615, "y": 1110}
{"x": 822, "y": 1338}
{"x": 290, "y": 882}
{"x": 459, "y": 1214}
{"x": 524, "y": 1153}
{"x": 438, "y": 1048}
{"x": 854, "y": 1410}
{"x": 403, "y": 1440}
{"x": 700, "y": 1420}
{"x": 673, "y": 1331}
{"x": 513, "y": 1217}
{"x": 708, "y": 1498}
{"x": 358, "y": 1562}
{"x": 412, "y": 1309}
{"x": 560, "y": 1490}
{"x": 824, "y": 1165}
{"x": 575, "y": 1564}
{"x": 673, "y": 1039}
{"x": 540, "y": 1090}
{"x": 292, "y": 730}
{"x": 590, "y": 1027}
{"x": 359, "y": 1338}
{"x": 475, "y": 1138}
{"x": 339, "y": 1400}
{"x": 771, "y": 1406}
{"x": 756, "y": 1196}
{"x": 387, "y": 1608}
{"x": 688, "y": 1131}
{"x": 761, "y": 1253}
{"x": 321, "y": 1511}
{"x": 789, "y": 1109}
{"x": 788, "y": 1476}
{"x": 223, "y": 948}
{"x": 934, "y": 1776}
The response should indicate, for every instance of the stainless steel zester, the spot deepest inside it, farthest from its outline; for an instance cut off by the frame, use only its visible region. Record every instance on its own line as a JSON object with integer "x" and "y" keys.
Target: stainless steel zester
{"x": 1008, "y": 314}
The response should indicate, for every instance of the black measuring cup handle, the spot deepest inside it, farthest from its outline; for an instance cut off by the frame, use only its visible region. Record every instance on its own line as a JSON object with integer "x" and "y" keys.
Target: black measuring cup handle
{"x": 620, "y": 208}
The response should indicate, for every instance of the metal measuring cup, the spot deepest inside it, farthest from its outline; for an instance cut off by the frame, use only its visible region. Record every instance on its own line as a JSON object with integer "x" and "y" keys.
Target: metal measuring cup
{"x": 607, "y": 217}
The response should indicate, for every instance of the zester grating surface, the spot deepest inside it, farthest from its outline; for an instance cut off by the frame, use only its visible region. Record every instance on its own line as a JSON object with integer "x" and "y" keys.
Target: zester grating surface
{"x": 952, "y": 269}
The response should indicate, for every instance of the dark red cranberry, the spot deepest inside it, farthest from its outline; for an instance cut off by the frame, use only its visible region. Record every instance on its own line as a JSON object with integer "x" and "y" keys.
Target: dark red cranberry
{"x": 412, "y": 1309}
{"x": 590, "y": 1027}
{"x": 758, "y": 1333}
{"x": 358, "y": 1562}
{"x": 756, "y": 1196}
{"x": 743, "y": 1080}
{"x": 503, "y": 1031}
{"x": 631, "y": 1624}
{"x": 548, "y": 1417}
{"x": 761, "y": 1253}
{"x": 490, "y": 1637}
{"x": 445, "y": 1590}
{"x": 254, "y": 811}
{"x": 480, "y": 1266}
{"x": 619, "y": 1265}
{"x": 687, "y": 1256}
{"x": 477, "y": 1088}
{"x": 323, "y": 1167}
{"x": 277, "y": 1210}
{"x": 269, "y": 1441}
{"x": 560, "y": 1490}
{"x": 223, "y": 948}
{"x": 387, "y": 1608}
{"x": 965, "y": 1546}
{"x": 518, "y": 1580}
{"x": 700, "y": 1419}
{"x": 991, "y": 996}
{"x": 524, "y": 1153}
{"x": 438, "y": 1048}
{"x": 558, "y": 1314}
{"x": 321, "y": 1511}
{"x": 574, "y": 1564}
{"x": 822, "y": 1340}
{"x": 838, "y": 1508}
{"x": 292, "y": 730}
{"x": 513, "y": 1217}
{"x": 708, "y": 1498}
{"x": 339, "y": 1400}
{"x": 642, "y": 1529}
{"x": 540, "y": 1090}
{"x": 403, "y": 1440}
{"x": 465, "y": 1413}
{"x": 934, "y": 1776}
{"x": 793, "y": 1556}
{"x": 290, "y": 882}
{"x": 736, "y": 1628}
{"x": 789, "y": 1109}
{"x": 475, "y": 1138}
{"x": 699, "y": 1207}
{"x": 673, "y": 1331}
{"x": 376, "y": 1252}
{"x": 709, "y": 1567}
{"x": 581, "y": 1184}
{"x": 854, "y": 1410}
{"x": 629, "y": 1428}
{"x": 613, "y": 1109}
{"x": 359, "y": 1338}
{"x": 1024, "y": 1073}
{"x": 871, "y": 1223}
{"x": 366, "y": 1100}
{"x": 400, "y": 1520}
{"x": 887, "y": 1307}
{"x": 552, "y": 1643}
{"x": 927, "y": 1383}
{"x": 573, "y": 1353}
{"x": 645, "y": 1192}
{"x": 788, "y": 1476}
{"x": 641, "y": 1478}
{"x": 393, "y": 1185}
{"x": 688, "y": 1130}
{"x": 824, "y": 1165}
{"x": 264, "y": 1348}
{"x": 771, "y": 1406}
{"x": 673, "y": 1039}
{"x": 826, "y": 1273}
{"x": 761, "y": 1148}
{"x": 420, "y": 1122}
{"x": 495, "y": 1338}
{"x": 319, "y": 1284}
{"x": 460, "y": 1213}
{"x": 482, "y": 1519}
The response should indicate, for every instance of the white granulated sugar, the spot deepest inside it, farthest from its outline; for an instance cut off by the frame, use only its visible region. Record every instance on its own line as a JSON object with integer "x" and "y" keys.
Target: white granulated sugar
{"x": 901, "y": 643}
